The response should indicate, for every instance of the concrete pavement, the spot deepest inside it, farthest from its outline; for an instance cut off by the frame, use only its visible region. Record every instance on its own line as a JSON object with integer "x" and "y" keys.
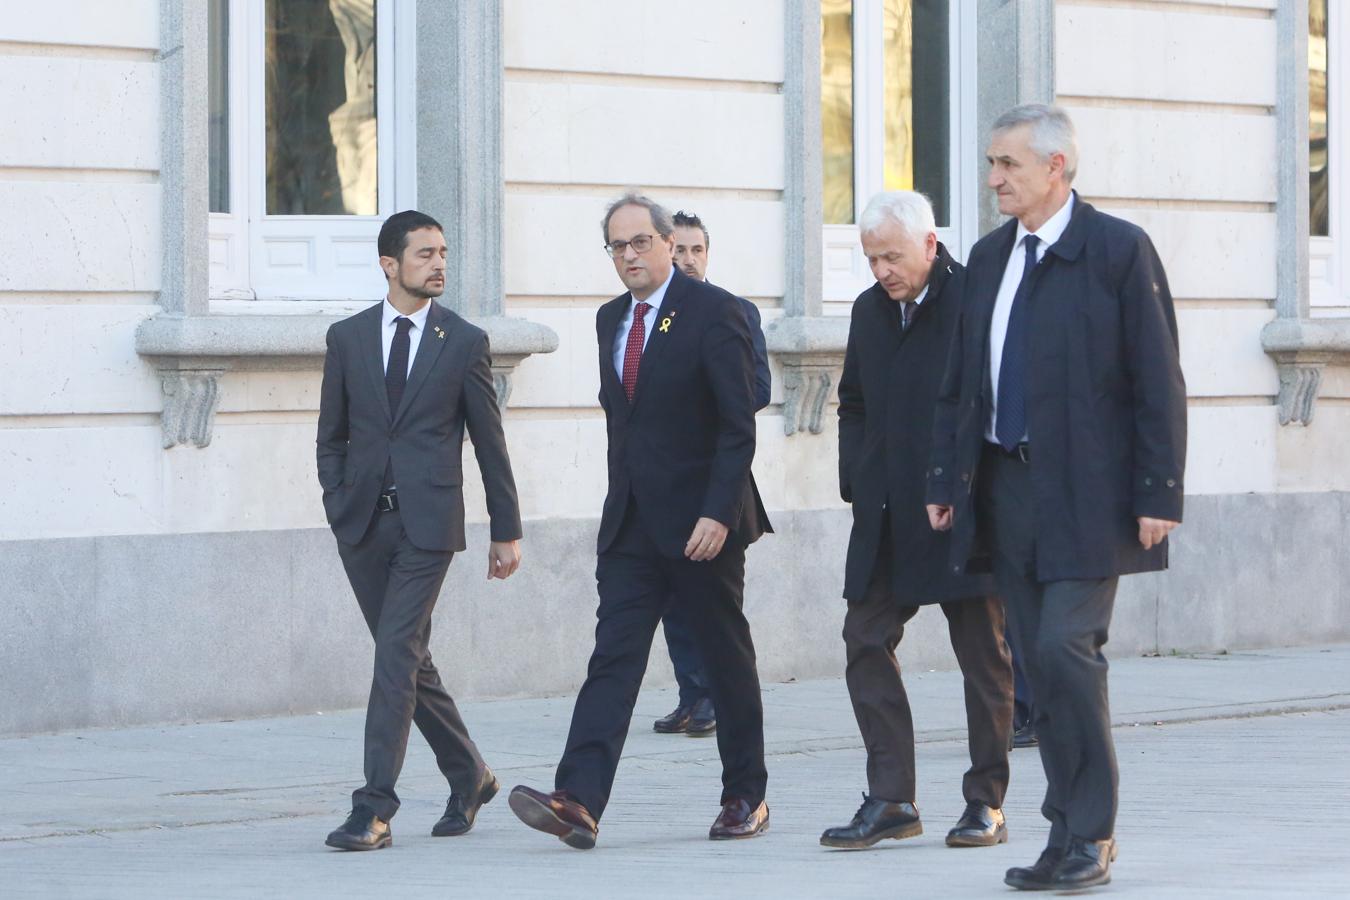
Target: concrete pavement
{"x": 1233, "y": 772}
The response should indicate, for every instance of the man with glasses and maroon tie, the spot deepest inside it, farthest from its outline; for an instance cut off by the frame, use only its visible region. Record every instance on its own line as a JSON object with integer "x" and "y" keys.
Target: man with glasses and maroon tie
{"x": 677, "y": 387}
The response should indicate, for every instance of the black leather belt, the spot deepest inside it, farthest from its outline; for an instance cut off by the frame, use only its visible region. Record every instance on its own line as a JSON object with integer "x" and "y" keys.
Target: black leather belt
{"x": 387, "y": 502}
{"x": 1020, "y": 452}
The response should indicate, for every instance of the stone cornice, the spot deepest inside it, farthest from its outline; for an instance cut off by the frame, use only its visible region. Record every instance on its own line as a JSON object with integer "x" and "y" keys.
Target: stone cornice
{"x": 810, "y": 350}
{"x": 1302, "y": 348}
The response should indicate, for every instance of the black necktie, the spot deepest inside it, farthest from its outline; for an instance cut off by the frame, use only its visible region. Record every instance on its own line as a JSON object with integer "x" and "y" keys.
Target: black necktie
{"x": 906, "y": 314}
{"x": 396, "y": 373}
{"x": 1011, "y": 412}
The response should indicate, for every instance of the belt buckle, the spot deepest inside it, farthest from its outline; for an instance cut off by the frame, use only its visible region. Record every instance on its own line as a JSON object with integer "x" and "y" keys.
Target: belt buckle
{"x": 1023, "y": 452}
{"x": 387, "y": 502}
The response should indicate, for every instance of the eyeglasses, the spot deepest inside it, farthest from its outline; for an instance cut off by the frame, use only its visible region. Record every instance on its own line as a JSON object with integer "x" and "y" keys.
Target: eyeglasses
{"x": 640, "y": 243}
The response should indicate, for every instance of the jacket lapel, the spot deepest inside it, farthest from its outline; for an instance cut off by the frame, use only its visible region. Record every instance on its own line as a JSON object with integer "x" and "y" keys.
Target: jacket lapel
{"x": 666, "y": 318}
{"x": 611, "y": 314}
{"x": 428, "y": 351}
{"x": 982, "y": 293}
{"x": 372, "y": 351}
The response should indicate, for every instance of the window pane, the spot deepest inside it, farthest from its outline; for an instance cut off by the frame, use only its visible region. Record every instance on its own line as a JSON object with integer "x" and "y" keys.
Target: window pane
{"x": 1319, "y": 173}
{"x": 836, "y": 109}
{"x": 917, "y": 111}
{"x": 217, "y": 87}
{"x": 320, "y": 84}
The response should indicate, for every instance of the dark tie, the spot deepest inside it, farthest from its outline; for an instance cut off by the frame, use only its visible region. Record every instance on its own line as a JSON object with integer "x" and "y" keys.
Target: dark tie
{"x": 906, "y": 314}
{"x": 1011, "y": 412}
{"x": 632, "y": 354}
{"x": 396, "y": 373}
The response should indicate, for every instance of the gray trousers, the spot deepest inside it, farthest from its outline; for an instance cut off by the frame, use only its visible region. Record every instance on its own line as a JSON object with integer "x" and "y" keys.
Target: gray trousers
{"x": 1059, "y": 628}
{"x": 396, "y": 585}
{"x": 873, "y": 628}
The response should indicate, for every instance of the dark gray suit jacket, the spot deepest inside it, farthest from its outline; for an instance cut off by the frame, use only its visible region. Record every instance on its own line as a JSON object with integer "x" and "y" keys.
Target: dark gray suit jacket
{"x": 450, "y": 386}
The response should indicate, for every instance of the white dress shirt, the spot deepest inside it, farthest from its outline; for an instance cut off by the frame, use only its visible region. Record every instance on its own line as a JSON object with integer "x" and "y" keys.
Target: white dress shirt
{"x": 626, "y": 324}
{"x": 419, "y": 322}
{"x": 1007, "y": 289}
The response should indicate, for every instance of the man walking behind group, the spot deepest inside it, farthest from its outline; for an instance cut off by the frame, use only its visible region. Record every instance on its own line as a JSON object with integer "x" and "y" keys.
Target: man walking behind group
{"x": 893, "y": 367}
{"x": 400, "y": 383}
{"x": 695, "y": 715}
{"x": 1059, "y": 444}
{"x": 676, "y": 387}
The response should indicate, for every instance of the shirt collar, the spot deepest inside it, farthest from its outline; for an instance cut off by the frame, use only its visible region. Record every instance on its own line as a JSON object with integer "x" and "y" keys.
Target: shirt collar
{"x": 418, "y": 319}
{"x": 923, "y": 294}
{"x": 1052, "y": 229}
{"x": 658, "y": 296}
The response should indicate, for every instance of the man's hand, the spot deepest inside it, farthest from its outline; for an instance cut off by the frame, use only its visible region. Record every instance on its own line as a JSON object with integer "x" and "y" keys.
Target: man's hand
{"x": 503, "y": 559}
{"x": 706, "y": 541}
{"x": 1152, "y": 531}
{"x": 939, "y": 517}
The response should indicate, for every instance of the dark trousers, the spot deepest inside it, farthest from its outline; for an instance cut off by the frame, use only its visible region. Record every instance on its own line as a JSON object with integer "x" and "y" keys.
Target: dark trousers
{"x": 684, "y": 655}
{"x": 1023, "y": 700}
{"x": 873, "y": 628}
{"x": 636, "y": 584}
{"x": 396, "y": 585}
{"x": 1061, "y": 627}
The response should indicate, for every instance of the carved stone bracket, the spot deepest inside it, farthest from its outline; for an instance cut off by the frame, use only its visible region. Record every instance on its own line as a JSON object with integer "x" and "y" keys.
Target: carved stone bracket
{"x": 810, "y": 350}
{"x": 1302, "y": 348}
{"x": 192, "y": 352}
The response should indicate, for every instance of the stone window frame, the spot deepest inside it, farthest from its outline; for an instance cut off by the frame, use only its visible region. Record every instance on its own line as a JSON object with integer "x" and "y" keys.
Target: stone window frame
{"x": 1014, "y": 61}
{"x": 459, "y": 174}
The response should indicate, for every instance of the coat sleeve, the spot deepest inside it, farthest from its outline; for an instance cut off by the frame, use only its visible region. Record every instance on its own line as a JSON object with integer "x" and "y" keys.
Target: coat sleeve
{"x": 942, "y": 454}
{"x": 331, "y": 442}
{"x": 763, "y": 380}
{"x": 728, "y": 360}
{"x": 852, "y": 412}
{"x": 1158, "y": 388}
{"x": 484, "y": 420}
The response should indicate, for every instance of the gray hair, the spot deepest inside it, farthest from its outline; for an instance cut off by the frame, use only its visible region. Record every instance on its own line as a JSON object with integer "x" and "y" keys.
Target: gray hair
{"x": 661, "y": 218}
{"x": 908, "y": 209}
{"x": 1052, "y": 132}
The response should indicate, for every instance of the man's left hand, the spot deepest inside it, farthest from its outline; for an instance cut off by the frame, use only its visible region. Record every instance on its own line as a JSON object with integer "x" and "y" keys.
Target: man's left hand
{"x": 706, "y": 541}
{"x": 503, "y": 559}
{"x": 1152, "y": 531}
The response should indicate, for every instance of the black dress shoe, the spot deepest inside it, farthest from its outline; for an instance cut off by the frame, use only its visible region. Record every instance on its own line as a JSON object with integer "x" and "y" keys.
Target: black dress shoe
{"x": 675, "y": 723}
{"x": 738, "y": 819}
{"x": 1086, "y": 864}
{"x": 1038, "y": 877}
{"x": 1025, "y": 736}
{"x": 462, "y": 810}
{"x": 363, "y": 830}
{"x": 702, "y": 719}
{"x": 979, "y": 826}
{"x": 558, "y": 814}
{"x": 876, "y": 820}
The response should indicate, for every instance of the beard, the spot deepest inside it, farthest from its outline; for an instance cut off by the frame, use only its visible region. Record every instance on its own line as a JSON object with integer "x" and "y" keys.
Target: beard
{"x": 423, "y": 290}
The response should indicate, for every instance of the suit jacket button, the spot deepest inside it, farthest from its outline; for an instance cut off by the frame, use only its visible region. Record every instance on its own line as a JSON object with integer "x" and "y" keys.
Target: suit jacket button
{"x": 1171, "y": 482}
{"x": 1148, "y": 482}
{"x": 965, "y": 476}
{"x": 938, "y": 470}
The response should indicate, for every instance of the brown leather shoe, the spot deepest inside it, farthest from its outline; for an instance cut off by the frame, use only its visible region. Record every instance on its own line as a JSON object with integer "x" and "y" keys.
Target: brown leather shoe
{"x": 557, "y": 814}
{"x": 740, "y": 820}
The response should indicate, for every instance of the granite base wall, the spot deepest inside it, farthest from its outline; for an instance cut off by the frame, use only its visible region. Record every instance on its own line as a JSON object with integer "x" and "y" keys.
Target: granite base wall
{"x": 128, "y": 630}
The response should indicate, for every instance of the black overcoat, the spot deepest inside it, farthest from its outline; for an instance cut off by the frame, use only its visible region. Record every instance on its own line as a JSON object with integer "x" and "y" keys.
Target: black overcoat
{"x": 886, "y": 399}
{"x": 1106, "y": 401}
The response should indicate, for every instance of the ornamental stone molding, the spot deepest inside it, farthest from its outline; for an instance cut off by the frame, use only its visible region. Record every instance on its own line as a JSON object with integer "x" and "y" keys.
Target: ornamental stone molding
{"x": 1302, "y": 348}
{"x": 192, "y": 352}
{"x": 810, "y": 351}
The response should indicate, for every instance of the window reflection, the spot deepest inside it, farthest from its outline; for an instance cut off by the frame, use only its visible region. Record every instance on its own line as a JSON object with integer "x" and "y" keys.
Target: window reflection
{"x": 217, "y": 89}
{"x": 320, "y": 99}
{"x": 836, "y": 109}
{"x": 1319, "y": 194}
{"x": 928, "y": 71}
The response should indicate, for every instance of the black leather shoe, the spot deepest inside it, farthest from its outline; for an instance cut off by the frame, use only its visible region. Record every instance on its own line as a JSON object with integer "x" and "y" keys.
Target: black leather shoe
{"x": 1025, "y": 736}
{"x": 1086, "y": 864}
{"x": 876, "y": 820}
{"x": 558, "y": 814}
{"x": 1039, "y": 877}
{"x": 979, "y": 826}
{"x": 702, "y": 719}
{"x": 461, "y": 811}
{"x": 738, "y": 819}
{"x": 363, "y": 830}
{"x": 675, "y": 723}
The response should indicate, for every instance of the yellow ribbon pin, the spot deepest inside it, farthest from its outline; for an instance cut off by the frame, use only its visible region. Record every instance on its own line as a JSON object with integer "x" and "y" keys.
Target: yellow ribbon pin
{"x": 665, "y": 325}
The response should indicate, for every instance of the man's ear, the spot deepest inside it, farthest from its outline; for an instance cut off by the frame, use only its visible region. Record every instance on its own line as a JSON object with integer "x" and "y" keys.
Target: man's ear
{"x": 1057, "y": 162}
{"x": 390, "y": 266}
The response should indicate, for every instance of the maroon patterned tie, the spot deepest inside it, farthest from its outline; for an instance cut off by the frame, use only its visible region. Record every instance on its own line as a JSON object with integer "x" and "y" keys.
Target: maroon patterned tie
{"x": 632, "y": 354}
